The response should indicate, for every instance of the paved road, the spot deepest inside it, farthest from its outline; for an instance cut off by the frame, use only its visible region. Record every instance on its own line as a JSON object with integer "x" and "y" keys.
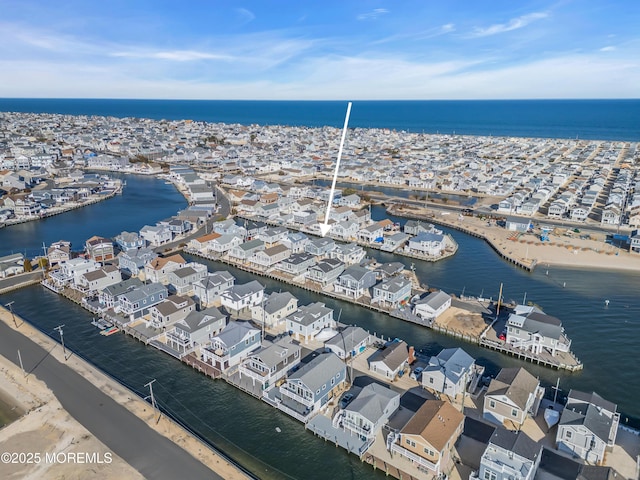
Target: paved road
{"x": 151, "y": 454}
{"x": 10, "y": 282}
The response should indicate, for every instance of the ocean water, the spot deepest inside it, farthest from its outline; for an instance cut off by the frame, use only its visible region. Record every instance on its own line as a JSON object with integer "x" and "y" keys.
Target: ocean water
{"x": 588, "y": 119}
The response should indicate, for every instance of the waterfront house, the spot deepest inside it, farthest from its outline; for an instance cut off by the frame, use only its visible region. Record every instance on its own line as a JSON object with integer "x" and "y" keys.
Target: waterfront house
{"x": 611, "y": 214}
{"x": 588, "y": 426}
{"x": 127, "y": 241}
{"x": 136, "y": 302}
{"x": 326, "y": 271}
{"x": 170, "y": 310}
{"x": 274, "y": 308}
{"x": 345, "y": 230}
{"x": 207, "y": 290}
{"x": 305, "y": 218}
{"x": 355, "y": 281}
{"x": 390, "y": 360}
{"x": 271, "y": 362}
{"x": 425, "y": 243}
{"x": 634, "y": 242}
{"x": 450, "y": 372}
{"x": 529, "y": 329}
{"x": 509, "y": 456}
{"x": 392, "y": 292}
{"x": 517, "y": 224}
{"x": 305, "y": 323}
{"x": 296, "y": 264}
{"x": 224, "y": 243}
{"x": 273, "y": 235}
{"x": 59, "y": 252}
{"x": 240, "y": 298}
{"x": 368, "y": 412}
{"x": 372, "y": 233}
{"x": 349, "y": 342}
{"x": 394, "y": 241}
{"x": 235, "y": 342}
{"x": 511, "y": 396}
{"x": 158, "y": 268}
{"x": 245, "y": 250}
{"x": 269, "y": 256}
{"x": 362, "y": 216}
{"x": 311, "y": 386}
{"x": 134, "y": 261}
{"x": 156, "y": 234}
{"x": 351, "y": 201}
{"x": 196, "y": 329}
{"x": 319, "y": 247}
{"x": 427, "y": 440}
{"x": 99, "y": 249}
{"x": 97, "y": 280}
{"x": 433, "y": 305}
{"x": 181, "y": 280}
{"x": 108, "y": 297}
{"x": 579, "y": 213}
{"x": 348, "y": 253}
{"x": 202, "y": 243}
{"x": 295, "y": 241}
{"x": 390, "y": 269}
{"x": 11, "y": 265}
{"x": 70, "y": 271}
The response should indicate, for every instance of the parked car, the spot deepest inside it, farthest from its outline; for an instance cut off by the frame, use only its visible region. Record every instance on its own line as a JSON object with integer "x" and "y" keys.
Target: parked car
{"x": 346, "y": 400}
{"x": 416, "y": 373}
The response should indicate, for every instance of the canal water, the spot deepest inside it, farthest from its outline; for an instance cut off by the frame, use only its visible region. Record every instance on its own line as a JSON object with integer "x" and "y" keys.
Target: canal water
{"x": 603, "y": 336}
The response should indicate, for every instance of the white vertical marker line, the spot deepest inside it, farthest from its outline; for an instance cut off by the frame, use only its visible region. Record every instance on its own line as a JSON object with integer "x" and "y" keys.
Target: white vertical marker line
{"x": 324, "y": 228}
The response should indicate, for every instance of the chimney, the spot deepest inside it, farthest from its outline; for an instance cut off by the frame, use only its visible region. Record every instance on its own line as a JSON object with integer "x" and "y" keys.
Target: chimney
{"x": 412, "y": 357}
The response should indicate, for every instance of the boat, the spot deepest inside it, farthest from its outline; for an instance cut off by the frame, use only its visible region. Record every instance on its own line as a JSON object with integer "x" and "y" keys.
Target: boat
{"x": 551, "y": 416}
{"x": 101, "y": 323}
{"x": 109, "y": 331}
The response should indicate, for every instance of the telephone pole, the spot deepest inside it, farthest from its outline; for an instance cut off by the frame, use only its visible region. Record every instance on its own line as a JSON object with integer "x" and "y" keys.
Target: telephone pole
{"x": 64, "y": 351}
{"x": 153, "y": 400}
{"x": 13, "y": 315}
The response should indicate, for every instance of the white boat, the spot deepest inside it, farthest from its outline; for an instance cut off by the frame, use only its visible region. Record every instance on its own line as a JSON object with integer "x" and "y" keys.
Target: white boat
{"x": 551, "y": 416}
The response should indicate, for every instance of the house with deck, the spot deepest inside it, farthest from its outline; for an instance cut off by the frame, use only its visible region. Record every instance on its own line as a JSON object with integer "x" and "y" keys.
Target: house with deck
{"x": 271, "y": 362}
{"x": 97, "y": 280}
{"x": 349, "y": 342}
{"x": 169, "y": 311}
{"x": 136, "y": 302}
{"x": 202, "y": 243}
{"x": 355, "y": 281}
{"x": 392, "y": 292}
{"x": 450, "y": 372}
{"x": 530, "y": 329}
{"x": 128, "y": 241}
{"x": 99, "y": 249}
{"x": 348, "y": 253}
{"x": 108, "y": 297}
{"x": 427, "y": 440}
{"x": 390, "y": 360}
{"x": 134, "y": 261}
{"x": 373, "y": 233}
{"x": 242, "y": 252}
{"x": 196, "y": 329}
{"x": 224, "y": 243}
{"x": 296, "y": 264}
{"x": 159, "y": 268}
{"x": 274, "y": 308}
{"x": 207, "y": 290}
{"x": 345, "y": 230}
{"x": 156, "y": 235}
{"x": 320, "y": 247}
{"x": 425, "y": 243}
{"x": 71, "y": 271}
{"x": 326, "y": 271}
{"x": 295, "y": 241}
{"x": 312, "y": 386}
{"x": 268, "y": 257}
{"x": 240, "y": 298}
{"x": 511, "y": 396}
{"x": 509, "y": 456}
{"x": 235, "y": 342}
{"x": 433, "y": 305}
{"x": 305, "y": 323}
{"x": 588, "y": 426}
{"x": 181, "y": 280}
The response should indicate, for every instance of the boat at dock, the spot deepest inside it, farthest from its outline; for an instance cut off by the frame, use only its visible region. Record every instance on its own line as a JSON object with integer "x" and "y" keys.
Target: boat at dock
{"x": 101, "y": 323}
{"x": 109, "y": 331}
{"x": 551, "y": 416}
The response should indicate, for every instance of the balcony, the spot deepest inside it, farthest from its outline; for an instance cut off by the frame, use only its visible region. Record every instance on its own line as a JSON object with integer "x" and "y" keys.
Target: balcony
{"x": 423, "y": 462}
{"x": 359, "y": 429}
{"x": 180, "y": 340}
{"x": 294, "y": 395}
{"x": 515, "y": 468}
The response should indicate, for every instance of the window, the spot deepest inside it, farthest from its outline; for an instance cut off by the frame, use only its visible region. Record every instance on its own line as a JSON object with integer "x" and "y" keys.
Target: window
{"x": 489, "y": 475}
{"x": 324, "y": 387}
{"x": 333, "y": 381}
{"x": 408, "y": 441}
{"x": 338, "y": 375}
{"x": 593, "y": 443}
{"x": 568, "y": 434}
{"x": 514, "y": 412}
{"x": 430, "y": 379}
{"x": 492, "y": 403}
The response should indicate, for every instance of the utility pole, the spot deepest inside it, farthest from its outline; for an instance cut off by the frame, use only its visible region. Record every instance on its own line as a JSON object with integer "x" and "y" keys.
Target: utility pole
{"x": 21, "y": 365}
{"x": 13, "y": 315}
{"x": 153, "y": 400}
{"x": 64, "y": 351}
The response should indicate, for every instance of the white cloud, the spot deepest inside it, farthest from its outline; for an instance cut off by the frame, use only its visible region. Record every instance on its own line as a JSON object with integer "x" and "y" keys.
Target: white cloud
{"x": 609, "y": 48}
{"x": 372, "y": 15}
{"x": 173, "y": 55}
{"x": 246, "y": 15}
{"x": 513, "y": 24}
{"x": 449, "y": 27}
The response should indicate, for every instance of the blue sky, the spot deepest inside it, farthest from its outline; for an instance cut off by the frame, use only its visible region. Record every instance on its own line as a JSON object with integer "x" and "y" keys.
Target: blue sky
{"x": 347, "y": 50}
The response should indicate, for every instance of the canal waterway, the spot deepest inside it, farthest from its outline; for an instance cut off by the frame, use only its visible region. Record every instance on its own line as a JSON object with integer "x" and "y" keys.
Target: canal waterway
{"x": 604, "y": 337}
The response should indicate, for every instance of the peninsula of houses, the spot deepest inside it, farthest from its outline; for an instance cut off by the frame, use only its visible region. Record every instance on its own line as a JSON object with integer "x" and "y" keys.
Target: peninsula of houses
{"x": 413, "y": 416}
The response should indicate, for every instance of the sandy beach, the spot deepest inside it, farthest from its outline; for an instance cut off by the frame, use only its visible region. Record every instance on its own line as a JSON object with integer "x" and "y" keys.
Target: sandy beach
{"x": 47, "y": 427}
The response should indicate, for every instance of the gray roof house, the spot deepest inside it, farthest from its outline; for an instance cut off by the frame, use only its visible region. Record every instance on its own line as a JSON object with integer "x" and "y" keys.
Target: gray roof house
{"x": 349, "y": 253}
{"x": 182, "y": 279}
{"x": 296, "y": 264}
{"x": 588, "y": 426}
{"x": 433, "y": 305}
{"x": 510, "y": 456}
{"x": 208, "y": 289}
{"x": 350, "y": 341}
{"x": 368, "y": 411}
{"x": 133, "y": 261}
{"x": 246, "y": 249}
{"x": 536, "y": 331}
{"x": 137, "y": 302}
{"x": 355, "y": 281}
{"x": 241, "y": 297}
{"x": 312, "y": 386}
{"x": 392, "y": 291}
{"x": 196, "y": 329}
{"x": 511, "y": 396}
{"x": 274, "y": 308}
{"x": 108, "y": 297}
{"x": 170, "y": 310}
{"x": 320, "y": 246}
{"x": 326, "y": 271}
{"x": 234, "y": 343}
{"x": 309, "y": 320}
{"x": 271, "y": 362}
{"x": 390, "y": 360}
{"x": 449, "y": 372}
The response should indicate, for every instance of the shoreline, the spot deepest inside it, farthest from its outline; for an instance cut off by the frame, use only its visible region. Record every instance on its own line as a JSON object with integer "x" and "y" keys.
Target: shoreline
{"x": 165, "y": 426}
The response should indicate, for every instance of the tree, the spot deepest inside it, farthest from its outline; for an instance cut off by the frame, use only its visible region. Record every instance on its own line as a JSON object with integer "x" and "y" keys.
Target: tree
{"x": 27, "y": 265}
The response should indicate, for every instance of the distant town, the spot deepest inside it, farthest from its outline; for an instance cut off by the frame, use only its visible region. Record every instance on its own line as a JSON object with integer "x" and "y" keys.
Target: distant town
{"x": 254, "y": 205}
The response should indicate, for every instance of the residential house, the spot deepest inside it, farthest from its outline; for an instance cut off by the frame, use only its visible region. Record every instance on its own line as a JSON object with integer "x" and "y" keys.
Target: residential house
{"x": 295, "y": 241}
{"x": 245, "y": 250}
{"x": 70, "y": 271}
{"x": 511, "y": 396}
{"x": 196, "y": 329}
{"x": 530, "y": 329}
{"x": 108, "y": 297}
{"x": 427, "y": 440}
{"x": 320, "y": 247}
{"x": 129, "y": 241}
{"x": 312, "y": 386}
{"x": 345, "y": 230}
{"x": 450, "y": 372}
{"x": 373, "y": 233}
{"x": 269, "y": 256}
{"x": 296, "y": 264}
{"x": 517, "y": 224}
{"x": 510, "y": 456}
{"x": 326, "y": 271}
{"x": 134, "y": 261}
{"x": 156, "y": 234}
{"x": 349, "y": 342}
{"x": 390, "y": 360}
{"x": 588, "y": 426}
{"x": 158, "y": 269}
{"x": 273, "y": 235}
{"x": 274, "y": 308}
{"x": 97, "y": 280}
{"x": 348, "y": 253}
{"x": 170, "y": 310}
{"x": 242, "y": 297}
{"x": 271, "y": 362}
{"x": 11, "y": 265}
{"x": 136, "y": 302}
{"x": 59, "y": 252}
{"x": 432, "y": 244}
{"x": 181, "y": 280}
{"x": 355, "y": 281}
{"x": 309, "y": 320}
{"x": 433, "y": 305}
{"x": 392, "y": 292}
{"x": 235, "y": 342}
{"x": 369, "y": 411}
{"x": 202, "y": 243}
{"x": 99, "y": 249}
{"x": 207, "y": 290}
{"x": 224, "y": 243}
